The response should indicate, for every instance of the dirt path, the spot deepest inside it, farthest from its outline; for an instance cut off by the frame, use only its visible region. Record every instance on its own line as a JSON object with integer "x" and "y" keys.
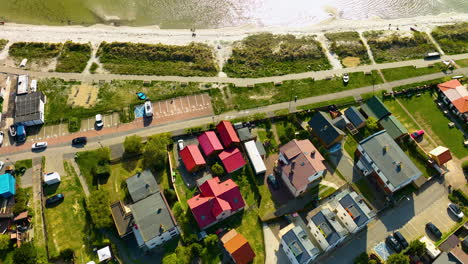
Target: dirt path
{"x": 80, "y": 177}
{"x": 332, "y": 58}
{"x": 439, "y": 49}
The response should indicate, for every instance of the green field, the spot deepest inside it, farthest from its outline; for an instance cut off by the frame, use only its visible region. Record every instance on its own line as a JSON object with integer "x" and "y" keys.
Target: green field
{"x": 34, "y": 51}
{"x": 194, "y": 59}
{"x": 266, "y": 54}
{"x": 394, "y": 74}
{"x": 453, "y": 39}
{"x": 73, "y": 57}
{"x": 462, "y": 63}
{"x": 349, "y": 48}
{"x": 339, "y": 101}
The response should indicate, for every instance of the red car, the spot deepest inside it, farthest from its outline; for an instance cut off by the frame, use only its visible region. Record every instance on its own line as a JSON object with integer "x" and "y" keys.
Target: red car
{"x": 417, "y": 134}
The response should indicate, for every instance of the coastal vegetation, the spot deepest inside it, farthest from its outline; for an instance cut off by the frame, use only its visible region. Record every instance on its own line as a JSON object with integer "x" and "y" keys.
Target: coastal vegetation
{"x": 34, "y": 50}
{"x": 194, "y": 59}
{"x": 393, "y": 74}
{"x": 453, "y": 39}
{"x": 387, "y": 46}
{"x": 266, "y": 54}
{"x": 349, "y": 48}
{"x": 74, "y": 57}
{"x": 3, "y": 43}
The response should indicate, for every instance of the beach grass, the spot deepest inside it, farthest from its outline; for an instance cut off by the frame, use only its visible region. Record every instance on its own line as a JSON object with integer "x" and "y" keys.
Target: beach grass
{"x": 453, "y": 39}
{"x": 394, "y": 74}
{"x": 194, "y": 59}
{"x": 34, "y": 51}
{"x": 349, "y": 48}
{"x": 3, "y": 43}
{"x": 73, "y": 57}
{"x": 389, "y": 46}
{"x": 265, "y": 54}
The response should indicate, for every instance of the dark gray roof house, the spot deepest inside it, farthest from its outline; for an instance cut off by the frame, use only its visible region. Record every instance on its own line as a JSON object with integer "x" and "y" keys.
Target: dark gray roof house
{"x": 323, "y": 128}
{"x": 375, "y": 107}
{"x": 29, "y": 109}
{"x": 142, "y": 185}
{"x": 260, "y": 147}
{"x": 244, "y": 134}
{"x": 355, "y": 117}
{"x": 297, "y": 245}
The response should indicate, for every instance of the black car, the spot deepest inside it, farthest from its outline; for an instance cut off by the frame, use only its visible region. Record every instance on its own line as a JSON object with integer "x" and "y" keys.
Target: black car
{"x": 393, "y": 243}
{"x": 434, "y": 230}
{"x": 273, "y": 181}
{"x": 55, "y": 199}
{"x": 401, "y": 239}
{"x": 79, "y": 141}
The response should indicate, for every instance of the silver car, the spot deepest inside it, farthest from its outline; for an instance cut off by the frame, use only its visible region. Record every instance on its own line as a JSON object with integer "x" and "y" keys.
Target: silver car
{"x": 39, "y": 145}
{"x": 455, "y": 209}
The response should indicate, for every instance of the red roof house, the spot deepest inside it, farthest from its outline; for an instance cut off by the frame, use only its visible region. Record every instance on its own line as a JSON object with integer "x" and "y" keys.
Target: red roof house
{"x": 216, "y": 201}
{"x": 210, "y": 143}
{"x": 232, "y": 159}
{"x": 456, "y": 94}
{"x": 192, "y": 158}
{"x": 227, "y": 133}
{"x": 238, "y": 247}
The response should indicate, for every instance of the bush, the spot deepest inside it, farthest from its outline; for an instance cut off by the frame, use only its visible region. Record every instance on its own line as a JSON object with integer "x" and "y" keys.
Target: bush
{"x": 363, "y": 258}
{"x": 34, "y": 50}
{"x": 398, "y": 259}
{"x": 4, "y": 242}
{"x": 217, "y": 169}
{"x": 74, "y": 124}
{"x": 170, "y": 196}
{"x": 93, "y": 68}
{"x": 465, "y": 165}
{"x": 21, "y": 201}
{"x": 416, "y": 248}
{"x": 459, "y": 197}
{"x": 132, "y": 144}
{"x": 67, "y": 255}
{"x": 97, "y": 205}
{"x": 372, "y": 123}
{"x": 26, "y": 254}
{"x": 74, "y": 57}
{"x": 155, "y": 151}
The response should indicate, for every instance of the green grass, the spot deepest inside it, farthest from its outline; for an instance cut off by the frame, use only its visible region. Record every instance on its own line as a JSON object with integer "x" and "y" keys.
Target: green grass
{"x": 364, "y": 187}
{"x": 3, "y": 43}
{"x": 194, "y": 59}
{"x": 394, "y": 47}
{"x": 348, "y": 45}
{"x": 86, "y": 161}
{"x": 93, "y": 68}
{"x": 73, "y": 57}
{"x": 367, "y": 96}
{"x": 452, "y": 38}
{"x": 394, "y": 74}
{"x": 414, "y": 85}
{"x": 462, "y": 63}
{"x": 426, "y": 112}
{"x": 350, "y": 145}
{"x": 267, "y": 93}
{"x": 266, "y": 54}
{"x": 182, "y": 190}
{"x": 273, "y": 145}
{"x": 281, "y": 112}
{"x": 119, "y": 173}
{"x": 339, "y": 101}
{"x": 218, "y": 102}
{"x": 445, "y": 235}
{"x": 27, "y": 163}
{"x": 34, "y": 50}
{"x": 67, "y": 225}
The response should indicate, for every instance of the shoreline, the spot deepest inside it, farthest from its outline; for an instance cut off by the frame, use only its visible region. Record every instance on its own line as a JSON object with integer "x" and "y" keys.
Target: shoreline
{"x": 153, "y": 34}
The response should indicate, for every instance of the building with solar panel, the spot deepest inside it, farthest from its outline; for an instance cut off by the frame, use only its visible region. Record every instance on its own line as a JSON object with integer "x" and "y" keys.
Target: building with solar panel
{"x": 297, "y": 246}
{"x": 29, "y": 109}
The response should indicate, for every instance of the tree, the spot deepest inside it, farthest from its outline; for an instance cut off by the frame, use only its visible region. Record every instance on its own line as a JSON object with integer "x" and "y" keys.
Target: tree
{"x": 98, "y": 207}
{"x": 132, "y": 144}
{"x": 416, "y": 248}
{"x": 26, "y": 254}
{"x": 170, "y": 259}
{"x": 217, "y": 169}
{"x": 4, "y": 242}
{"x": 155, "y": 151}
{"x": 372, "y": 123}
{"x": 211, "y": 242}
{"x": 398, "y": 259}
{"x": 363, "y": 258}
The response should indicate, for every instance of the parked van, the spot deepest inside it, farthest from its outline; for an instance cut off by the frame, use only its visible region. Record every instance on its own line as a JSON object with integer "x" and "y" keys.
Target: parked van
{"x": 20, "y": 134}
{"x": 33, "y": 85}
{"x": 51, "y": 178}
{"x": 432, "y": 55}
{"x": 148, "y": 109}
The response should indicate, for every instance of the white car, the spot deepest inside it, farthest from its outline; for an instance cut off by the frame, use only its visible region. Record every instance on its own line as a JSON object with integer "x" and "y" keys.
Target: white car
{"x": 99, "y": 122}
{"x": 39, "y": 145}
{"x": 345, "y": 78}
{"x": 1, "y": 137}
{"x": 180, "y": 143}
{"x": 148, "y": 109}
{"x": 456, "y": 210}
{"x": 2, "y": 164}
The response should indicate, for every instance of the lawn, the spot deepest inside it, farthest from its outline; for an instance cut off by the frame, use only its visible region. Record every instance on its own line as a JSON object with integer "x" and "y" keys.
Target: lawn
{"x": 3, "y": 43}
{"x": 194, "y": 59}
{"x": 182, "y": 190}
{"x": 87, "y": 161}
{"x": 402, "y": 116}
{"x": 414, "y": 85}
{"x": 452, "y": 38}
{"x": 67, "y": 223}
{"x": 426, "y": 112}
{"x": 394, "y": 74}
{"x": 267, "y": 93}
{"x": 350, "y": 145}
{"x": 388, "y": 46}
{"x": 73, "y": 57}
{"x": 268, "y": 140}
{"x": 419, "y": 159}
{"x": 367, "y": 96}
{"x": 462, "y": 63}
{"x": 27, "y": 163}
{"x": 34, "y": 50}
{"x": 266, "y": 54}
{"x": 339, "y": 101}
{"x": 119, "y": 173}
{"x": 349, "y": 48}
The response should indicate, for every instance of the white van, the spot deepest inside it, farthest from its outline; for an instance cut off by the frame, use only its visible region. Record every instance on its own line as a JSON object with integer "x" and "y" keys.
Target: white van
{"x": 33, "y": 85}
{"x": 148, "y": 109}
{"x": 51, "y": 178}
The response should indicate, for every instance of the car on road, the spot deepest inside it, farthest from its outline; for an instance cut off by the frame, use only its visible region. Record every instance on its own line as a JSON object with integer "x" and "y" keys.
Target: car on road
{"x": 99, "y": 123}
{"x": 1, "y": 137}
{"x": 79, "y": 141}
{"x": 273, "y": 181}
{"x": 456, "y": 210}
{"x": 39, "y": 145}
{"x": 148, "y": 109}
{"x": 180, "y": 144}
{"x": 55, "y": 199}
{"x": 417, "y": 134}
{"x": 434, "y": 230}
{"x": 345, "y": 78}
{"x": 393, "y": 243}
{"x": 2, "y": 164}
{"x": 401, "y": 239}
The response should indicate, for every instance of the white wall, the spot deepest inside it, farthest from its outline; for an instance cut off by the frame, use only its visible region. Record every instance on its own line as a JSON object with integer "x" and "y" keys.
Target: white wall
{"x": 161, "y": 239}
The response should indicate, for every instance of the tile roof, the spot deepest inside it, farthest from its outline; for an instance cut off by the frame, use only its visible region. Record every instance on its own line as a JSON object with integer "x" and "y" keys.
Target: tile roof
{"x": 322, "y": 126}
{"x": 142, "y": 185}
{"x": 123, "y": 220}
{"x": 192, "y": 157}
{"x": 354, "y": 116}
{"x": 456, "y": 93}
{"x": 244, "y": 134}
{"x": 442, "y": 153}
{"x": 209, "y": 142}
{"x": 375, "y": 107}
{"x": 393, "y": 126}
{"x": 227, "y": 133}
{"x": 238, "y": 247}
{"x": 232, "y": 159}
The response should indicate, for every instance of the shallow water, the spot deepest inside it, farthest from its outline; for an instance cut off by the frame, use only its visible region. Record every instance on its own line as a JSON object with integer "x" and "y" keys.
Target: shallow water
{"x": 216, "y": 13}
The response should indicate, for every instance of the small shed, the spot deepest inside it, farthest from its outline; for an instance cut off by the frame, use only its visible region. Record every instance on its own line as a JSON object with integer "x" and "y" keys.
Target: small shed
{"x": 232, "y": 159}
{"x": 355, "y": 117}
{"x": 244, "y": 134}
{"x": 440, "y": 155}
{"x": 393, "y": 127}
{"x": 51, "y": 178}
{"x": 104, "y": 254}
{"x": 7, "y": 185}
{"x": 255, "y": 158}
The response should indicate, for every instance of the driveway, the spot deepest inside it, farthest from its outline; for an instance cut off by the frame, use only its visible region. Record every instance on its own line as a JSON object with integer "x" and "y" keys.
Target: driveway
{"x": 273, "y": 252}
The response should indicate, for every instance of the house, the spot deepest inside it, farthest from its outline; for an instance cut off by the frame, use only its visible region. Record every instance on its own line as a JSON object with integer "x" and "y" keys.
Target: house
{"x": 300, "y": 165}
{"x": 7, "y": 185}
{"x": 22, "y": 85}
{"x": 254, "y": 157}
{"x": 148, "y": 216}
{"x": 351, "y": 210}
{"x": 323, "y": 128}
{"x": 244, "y": 134}
{"x": 381, "y": 157}
{"x": 440, "y": 155}
{"x": 192, "y": 158}
{"x": 355, "y": 117}
{"x": 227, "y": 133}
{"x": 296, "y": 245}
{"x": 393, "y": 127}
{"x": 374, "y": 107}
{"x": 326, "y": 229}
{"x": 29, "y": 109}
{"x": 217, "y": 201}
{"x": 238, "y": 247}
{"x": 232, "y": 159}
{"x": 210, "y": 143}
{"x": 455, "y": 96}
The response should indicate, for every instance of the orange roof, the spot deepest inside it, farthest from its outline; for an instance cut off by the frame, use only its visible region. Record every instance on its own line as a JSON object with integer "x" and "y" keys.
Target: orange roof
{"x": 456, "y": 93}
{"x": 452, "y": 84}
{"x": 461, "y": 104}
{"x": 238, "y": 247}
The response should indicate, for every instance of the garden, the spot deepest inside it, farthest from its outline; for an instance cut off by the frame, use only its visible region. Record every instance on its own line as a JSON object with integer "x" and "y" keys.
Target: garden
{"x": 389, "y": 46}
{"x": 265, "y": 54}
{"x": 74, "y": 57}
{"x": 194, "y": 59}
{"x": 453, "y": 39}
{"x": 349, "y": 48}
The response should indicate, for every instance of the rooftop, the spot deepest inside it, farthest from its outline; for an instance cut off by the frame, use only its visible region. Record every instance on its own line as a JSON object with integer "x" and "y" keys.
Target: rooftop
{"x": 123, "y": 220}
{"x": 456, "y": 93}
{"x": 192, "y": 157}
{"x": 330, "y": 229}
{"x": 375, "y": 107}
{"x": 142, "y": 185}
{"x": 238, "y": 247}
{"x": 322, "y": 125}
{"x": 354, "y": 116}
{"x": 209, "y": 142}
{"x": 244, "y": 134}
{"x": 393, "y": 126}
{"x": 299, "y": 244}
{"x": 227, "y": 133}
{"x": 232, "y": 159}
{"x": 29, "y": 107}
{"x": 356, "y": 208}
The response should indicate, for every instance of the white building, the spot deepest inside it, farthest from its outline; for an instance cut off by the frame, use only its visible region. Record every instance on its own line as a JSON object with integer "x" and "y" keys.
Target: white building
{"x": 297, "y": 245}
{"x": 22, "y": 85}
{"x": 254, "y": 156}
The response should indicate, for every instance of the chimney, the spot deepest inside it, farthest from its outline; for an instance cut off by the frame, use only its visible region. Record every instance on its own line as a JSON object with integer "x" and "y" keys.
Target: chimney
{"x": 385, "y": 148}
{"x": 293, "y": 164}
{"x": 312, "y": 154}
{"x": 147, "y": 186}
{"x": 161, "y": 228}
